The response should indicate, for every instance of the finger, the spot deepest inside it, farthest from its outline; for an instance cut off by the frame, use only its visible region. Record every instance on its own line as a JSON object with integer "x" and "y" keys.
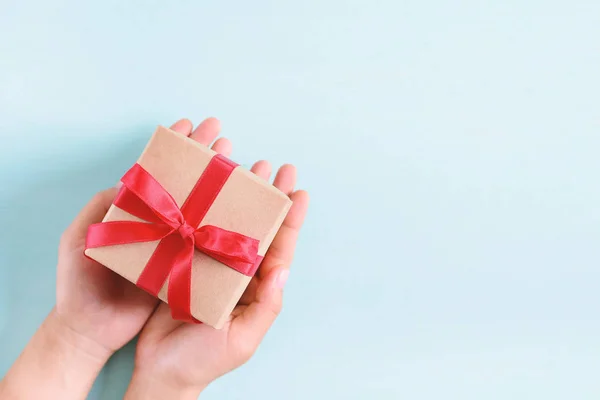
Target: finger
{"x": 93, "y": 212}
{"x": 281, "y": 251}
{"x": 207, "y": 131}
{"x": 223, "y": 146}
{"x": 249, "y": 328}
{"x": 183, "y": 126}
{"x": 285, "y": 180}
{"x": 262, "y": 169}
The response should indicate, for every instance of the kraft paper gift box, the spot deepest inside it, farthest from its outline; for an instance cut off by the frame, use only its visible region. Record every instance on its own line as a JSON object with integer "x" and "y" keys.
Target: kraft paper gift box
{"x": 244, "y": 204}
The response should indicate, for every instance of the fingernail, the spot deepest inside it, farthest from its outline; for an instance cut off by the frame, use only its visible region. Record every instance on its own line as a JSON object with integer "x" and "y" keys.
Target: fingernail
{"x": 282, "y": 278}
{"x": 119, "y": 184}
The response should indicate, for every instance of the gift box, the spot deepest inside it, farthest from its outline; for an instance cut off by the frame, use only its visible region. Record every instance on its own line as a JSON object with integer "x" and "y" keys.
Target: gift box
{"x": 188, "y": 226}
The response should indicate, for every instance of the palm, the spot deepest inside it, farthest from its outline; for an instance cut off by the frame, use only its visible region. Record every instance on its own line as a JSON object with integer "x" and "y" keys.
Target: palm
{"x": 115, "y": 310}
{"x": 168, "y": 342}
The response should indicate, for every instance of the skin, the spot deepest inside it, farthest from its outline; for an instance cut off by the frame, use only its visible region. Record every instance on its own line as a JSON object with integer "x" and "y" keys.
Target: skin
{"x": 97, "y": 312}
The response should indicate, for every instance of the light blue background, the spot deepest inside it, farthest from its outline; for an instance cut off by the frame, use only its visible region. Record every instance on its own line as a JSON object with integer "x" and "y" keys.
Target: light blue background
{"x": 450, "y": 147}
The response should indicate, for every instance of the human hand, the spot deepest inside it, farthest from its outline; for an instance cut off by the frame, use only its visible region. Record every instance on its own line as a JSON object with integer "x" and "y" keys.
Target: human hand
{"x": 96, "y": 311}
{"x": 92, "y": 300}
{"x": 176, "y": 359}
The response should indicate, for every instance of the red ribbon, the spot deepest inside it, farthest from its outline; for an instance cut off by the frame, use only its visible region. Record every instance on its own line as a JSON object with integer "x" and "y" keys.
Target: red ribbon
{"x": 145, "y": 198}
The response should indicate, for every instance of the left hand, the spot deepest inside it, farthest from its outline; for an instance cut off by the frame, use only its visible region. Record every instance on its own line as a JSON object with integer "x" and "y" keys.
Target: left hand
{"x": 93, "y": 301}
{"x": 96, "y": 312}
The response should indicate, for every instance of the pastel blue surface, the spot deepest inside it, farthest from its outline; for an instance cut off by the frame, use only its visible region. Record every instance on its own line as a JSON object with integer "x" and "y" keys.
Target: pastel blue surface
{"x": 451, "y": 150}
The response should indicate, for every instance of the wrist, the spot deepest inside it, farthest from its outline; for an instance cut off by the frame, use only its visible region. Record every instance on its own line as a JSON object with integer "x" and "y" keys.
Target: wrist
{"x": 56, "y": 363}
{"x": 71, "y": 342}
{"x": 147, "y": 385}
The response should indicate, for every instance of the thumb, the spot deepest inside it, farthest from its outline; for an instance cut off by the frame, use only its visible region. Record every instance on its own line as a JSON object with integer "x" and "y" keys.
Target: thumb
{"x": 93, "y": 212}
{"x": 252, "y": 325}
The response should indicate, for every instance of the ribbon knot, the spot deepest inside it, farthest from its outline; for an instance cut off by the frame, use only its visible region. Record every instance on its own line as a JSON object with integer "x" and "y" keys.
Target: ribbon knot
{"x": 186, "y": 230}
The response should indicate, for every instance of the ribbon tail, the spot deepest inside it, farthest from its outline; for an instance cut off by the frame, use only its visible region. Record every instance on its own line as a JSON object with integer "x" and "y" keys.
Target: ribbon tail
{"x": 172, "y": 259}
{"x": 180, "y": 282}
{"x": 157, "y": 269}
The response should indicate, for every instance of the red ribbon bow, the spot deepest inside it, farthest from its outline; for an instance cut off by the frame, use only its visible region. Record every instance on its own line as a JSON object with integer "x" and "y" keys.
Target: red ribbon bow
{"x": 145, "y": 198}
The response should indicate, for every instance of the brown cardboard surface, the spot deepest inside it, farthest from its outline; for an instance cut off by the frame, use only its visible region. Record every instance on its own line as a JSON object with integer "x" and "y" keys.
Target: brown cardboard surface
{"x": 246, "y": 204}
